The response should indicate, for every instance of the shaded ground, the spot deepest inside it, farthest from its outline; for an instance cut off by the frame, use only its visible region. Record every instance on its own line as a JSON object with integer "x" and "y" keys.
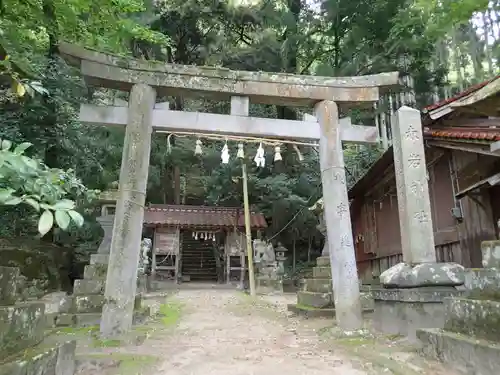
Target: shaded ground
{"x": 222, "y": 332}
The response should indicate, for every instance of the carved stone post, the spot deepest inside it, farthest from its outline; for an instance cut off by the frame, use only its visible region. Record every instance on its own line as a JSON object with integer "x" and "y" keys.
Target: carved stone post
{"x": 121, "y": 281}
{"x": 419, "y": 267}
{"x": 419, "y": 284}
{"x": 338, "y": 220}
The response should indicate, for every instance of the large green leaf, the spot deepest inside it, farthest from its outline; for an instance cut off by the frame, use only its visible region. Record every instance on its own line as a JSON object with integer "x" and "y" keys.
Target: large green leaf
{"x": 76, "y": 217}
{"x": 62, "y": 219}
{"x": 45, "y": 223}
{"x": 64, "y": 204}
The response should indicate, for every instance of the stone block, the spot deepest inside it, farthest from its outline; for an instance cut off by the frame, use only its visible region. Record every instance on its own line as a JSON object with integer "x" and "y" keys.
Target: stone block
{"x": 482, "y": 278}
{"x": 491, "y": 254}
{"x": 87, "y": 319}
{"x": 8, "y": 285}
{"x": 479, "y": 318}
{"x": 403, "y": 311}
{"x": 318, "y": 285}
{"x": 88, "y": 286}
{"x": 65, "y": 364}
{"x": 99, "y": 259}
{"x": 37, "y": 363}
{"x": 65, "y": 320}
{"x": 316, "y": 300}
{"x": 323, "y": 261}
{"x": 95, "y": 271}
{"x": 322, "y": 273}
{"x": 88, "y": 304}
{"x": 461, "y": 353}
{"x": 404, "y": 275}
{"x": 21, "y": 326}
{"x": 57, "y": 302}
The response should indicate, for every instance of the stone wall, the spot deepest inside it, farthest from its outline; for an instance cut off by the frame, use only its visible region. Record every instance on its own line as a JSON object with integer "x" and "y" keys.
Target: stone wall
{"x": 22, "y": 330}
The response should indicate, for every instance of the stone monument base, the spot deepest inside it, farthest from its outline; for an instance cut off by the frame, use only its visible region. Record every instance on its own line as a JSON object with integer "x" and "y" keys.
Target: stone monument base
{"x": 405, "y": 275}
{"x": 402, "y": 311}
{"x": 470, "y": 340}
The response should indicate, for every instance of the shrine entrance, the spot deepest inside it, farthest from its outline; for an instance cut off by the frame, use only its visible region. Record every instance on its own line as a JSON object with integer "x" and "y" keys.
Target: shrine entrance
{"x": 144, "y": 80}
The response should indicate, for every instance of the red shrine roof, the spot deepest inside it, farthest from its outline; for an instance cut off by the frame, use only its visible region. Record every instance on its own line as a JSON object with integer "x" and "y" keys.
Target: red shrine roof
{"x": 200, "y": 217}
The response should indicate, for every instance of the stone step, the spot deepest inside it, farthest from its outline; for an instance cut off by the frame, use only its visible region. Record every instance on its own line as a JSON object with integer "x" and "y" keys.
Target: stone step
{"x": 326, "y": 300}
{"x": 311, "y": 312}
{"x": 99, "y": 259}
{"x": 318, "y": 285}
{"x": 463, "y": 353}
{"x": 88, "y": 304}
{"x": 323, "y": 261}
{"x": 21, "y": 327}
{"x": 316, "y": 300}
{"x": 322, "y": 272}
{"x": 88, "y": 286}
{"x": 95, "y": 271}
{"x": 58, "y": 360}
{"x": 473, "y": 317}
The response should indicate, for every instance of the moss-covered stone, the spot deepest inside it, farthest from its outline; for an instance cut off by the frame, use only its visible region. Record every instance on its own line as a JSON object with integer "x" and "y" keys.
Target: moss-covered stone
{"x": 21, "y": 326}
{"x": 322, "y": 272}
{"x": 478, "y": 318}
{"x": 58, "y": 360}
{"x": 88, "y": 304}
{"x": 318, "y": 285}
{"x": 88, "y": 286}
{"x": 314, "y": 299}
{"x": 8, "y": 285}
{"x": 95, "y": 272}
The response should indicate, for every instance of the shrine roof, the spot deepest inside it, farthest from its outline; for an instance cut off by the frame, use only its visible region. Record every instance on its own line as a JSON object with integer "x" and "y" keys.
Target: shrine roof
{"x": 118, "y": 72}
{"x": 187, "y": 216}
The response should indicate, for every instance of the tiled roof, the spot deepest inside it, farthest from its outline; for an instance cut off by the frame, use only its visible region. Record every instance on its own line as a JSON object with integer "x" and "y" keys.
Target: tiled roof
{"x": 463, "y": 133}
{"x": 463, "y": 94}
{"x": 200, "y": 216}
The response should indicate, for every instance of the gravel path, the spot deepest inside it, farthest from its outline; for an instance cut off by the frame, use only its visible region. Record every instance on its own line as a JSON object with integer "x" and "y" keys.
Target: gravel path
{"x": 218, "y": 334}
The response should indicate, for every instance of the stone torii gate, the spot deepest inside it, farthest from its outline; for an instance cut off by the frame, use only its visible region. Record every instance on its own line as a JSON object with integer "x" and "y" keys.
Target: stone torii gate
{"x": 145, "y": 79}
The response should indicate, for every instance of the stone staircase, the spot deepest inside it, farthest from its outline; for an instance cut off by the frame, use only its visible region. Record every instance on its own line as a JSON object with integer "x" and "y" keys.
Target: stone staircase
{"x": 316, "y": 297}
{"x": 84, "y": 307}
{"x": 198, "y": 260}
{"x": 470, "y": 339}
{"x": 22, "y": 330}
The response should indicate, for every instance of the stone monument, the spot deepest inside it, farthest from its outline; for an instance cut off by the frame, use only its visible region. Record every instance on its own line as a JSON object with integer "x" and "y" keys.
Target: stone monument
{"x": 268, "y": 279}
{"x": 22, "y": 330}
{"x": 413, "y": 291}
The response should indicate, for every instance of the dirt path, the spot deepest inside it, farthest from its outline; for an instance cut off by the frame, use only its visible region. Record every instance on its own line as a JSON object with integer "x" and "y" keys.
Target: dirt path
{"x": 220, "y": 333}
{"x": 226, "y": 332}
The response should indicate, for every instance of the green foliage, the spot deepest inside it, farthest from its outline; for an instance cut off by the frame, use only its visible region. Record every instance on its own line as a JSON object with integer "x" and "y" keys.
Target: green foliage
{"x": 40, "y": 97}
{"x": 24, "y": 180}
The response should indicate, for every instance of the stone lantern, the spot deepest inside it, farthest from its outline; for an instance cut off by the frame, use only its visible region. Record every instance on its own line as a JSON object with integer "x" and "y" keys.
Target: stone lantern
{"x": 108, "y": 200}
{"x": 280, "y": 252}
{"x": 318, "y": 209}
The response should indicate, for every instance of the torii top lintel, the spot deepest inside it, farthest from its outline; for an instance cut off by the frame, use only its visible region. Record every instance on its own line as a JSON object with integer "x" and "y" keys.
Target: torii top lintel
{"x": 116, "y": 72}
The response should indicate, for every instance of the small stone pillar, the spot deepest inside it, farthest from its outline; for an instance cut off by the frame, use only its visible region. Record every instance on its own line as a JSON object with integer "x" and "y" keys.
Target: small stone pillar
{"x": 413, "y": 291}
{"x": 121, "y": 280}
{"x": 338, "y": 219}
{"x": 108, "y": 200}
